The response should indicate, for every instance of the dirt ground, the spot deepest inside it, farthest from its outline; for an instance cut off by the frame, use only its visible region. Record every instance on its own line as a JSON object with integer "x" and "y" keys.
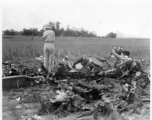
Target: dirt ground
{"x": 14, "y": 110}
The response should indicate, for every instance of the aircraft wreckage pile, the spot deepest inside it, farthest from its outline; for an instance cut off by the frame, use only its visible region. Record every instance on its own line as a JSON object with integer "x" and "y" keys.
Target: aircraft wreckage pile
{"x": 117, "y": 83}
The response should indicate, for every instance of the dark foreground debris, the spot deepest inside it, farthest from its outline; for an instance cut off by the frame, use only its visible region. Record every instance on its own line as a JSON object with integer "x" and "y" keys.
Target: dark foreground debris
{"x": 87, "y": 86}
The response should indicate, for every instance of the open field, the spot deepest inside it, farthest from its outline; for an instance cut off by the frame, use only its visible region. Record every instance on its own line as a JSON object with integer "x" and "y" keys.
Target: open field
{"x": 25, "y": 48}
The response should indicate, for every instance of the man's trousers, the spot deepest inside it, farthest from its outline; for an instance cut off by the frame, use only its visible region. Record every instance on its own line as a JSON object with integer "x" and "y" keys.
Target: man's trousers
{"x": 49, "y": 50}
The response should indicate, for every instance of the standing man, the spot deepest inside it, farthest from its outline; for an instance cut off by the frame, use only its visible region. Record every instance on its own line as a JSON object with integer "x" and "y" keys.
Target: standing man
{"x": 49, "y": 48}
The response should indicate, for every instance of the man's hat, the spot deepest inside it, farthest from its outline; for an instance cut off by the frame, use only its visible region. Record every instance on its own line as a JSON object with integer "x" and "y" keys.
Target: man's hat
{"x": 47, "y": 26}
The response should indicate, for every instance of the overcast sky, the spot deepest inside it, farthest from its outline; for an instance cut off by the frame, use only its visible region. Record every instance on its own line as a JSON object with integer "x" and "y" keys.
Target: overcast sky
{"x": 130, "y": 17}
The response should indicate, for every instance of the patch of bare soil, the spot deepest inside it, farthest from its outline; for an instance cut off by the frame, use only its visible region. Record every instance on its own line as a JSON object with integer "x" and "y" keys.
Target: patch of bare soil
{"x": 17, "y": 107}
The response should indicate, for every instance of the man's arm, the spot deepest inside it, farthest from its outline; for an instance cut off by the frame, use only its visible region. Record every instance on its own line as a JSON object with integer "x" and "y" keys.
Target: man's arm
{"x": 53, "y": 36}
{"x": 43, "y": 37}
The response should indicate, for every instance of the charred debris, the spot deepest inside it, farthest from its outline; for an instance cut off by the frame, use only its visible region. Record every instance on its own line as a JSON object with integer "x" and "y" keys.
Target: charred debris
{"x": 118, "y": 83}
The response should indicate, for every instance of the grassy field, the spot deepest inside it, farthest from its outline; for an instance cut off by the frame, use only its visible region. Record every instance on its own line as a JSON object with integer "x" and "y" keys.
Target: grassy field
{"x": 24, "y": 48}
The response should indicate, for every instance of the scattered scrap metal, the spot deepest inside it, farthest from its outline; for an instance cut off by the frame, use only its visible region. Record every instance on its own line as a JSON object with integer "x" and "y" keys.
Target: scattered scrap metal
{"x": 88, "y": 85}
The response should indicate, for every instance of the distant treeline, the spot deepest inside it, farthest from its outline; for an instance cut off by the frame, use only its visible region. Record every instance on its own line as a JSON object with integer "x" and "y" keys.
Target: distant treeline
{"x": 110, "y": 35}
{"x": 69, "y": 32}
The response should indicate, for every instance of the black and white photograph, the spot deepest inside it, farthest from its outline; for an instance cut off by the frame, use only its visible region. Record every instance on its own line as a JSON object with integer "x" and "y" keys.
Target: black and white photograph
{"x": 75, "y": 60}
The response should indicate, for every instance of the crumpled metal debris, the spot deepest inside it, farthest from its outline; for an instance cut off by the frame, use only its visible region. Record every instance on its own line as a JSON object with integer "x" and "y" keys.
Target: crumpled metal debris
{"x": 90, "y": 67}
{"x": 89, "y": 84}
{"x": 11, "y": 69}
